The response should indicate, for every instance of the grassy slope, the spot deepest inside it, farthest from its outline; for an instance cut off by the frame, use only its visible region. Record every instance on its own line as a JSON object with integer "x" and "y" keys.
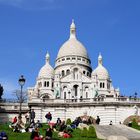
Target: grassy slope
{"x": 26, "y": 136}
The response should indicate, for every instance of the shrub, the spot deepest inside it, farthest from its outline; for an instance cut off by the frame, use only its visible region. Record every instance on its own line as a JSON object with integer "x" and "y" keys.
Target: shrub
{"x": 68, "y": 122}
{"x": 84, "y": 132}
{"x": 91, "y": 132}
{"x": 134, "y": 123}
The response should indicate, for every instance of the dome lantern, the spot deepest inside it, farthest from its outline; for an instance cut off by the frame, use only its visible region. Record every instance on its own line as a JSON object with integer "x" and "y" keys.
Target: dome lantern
{"x": 72, "y": 30}
{"x": 47, "y": 58}
{"x": 100, "y": 59}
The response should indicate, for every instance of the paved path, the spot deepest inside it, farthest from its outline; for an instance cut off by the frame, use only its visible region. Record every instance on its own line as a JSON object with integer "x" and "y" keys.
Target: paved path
{"x": 103, "y": 131}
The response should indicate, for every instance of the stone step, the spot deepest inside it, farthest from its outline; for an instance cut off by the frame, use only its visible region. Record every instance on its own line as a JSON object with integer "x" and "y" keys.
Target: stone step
{"x": 104, "y": 131}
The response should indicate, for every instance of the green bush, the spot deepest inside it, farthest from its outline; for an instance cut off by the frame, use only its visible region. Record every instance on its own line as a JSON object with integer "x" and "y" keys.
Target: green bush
{"x": 91, "y": 132}
{"x": 134, "y": 123}
{"x": 68, "y": 122}
{"x": 84, "y": 132}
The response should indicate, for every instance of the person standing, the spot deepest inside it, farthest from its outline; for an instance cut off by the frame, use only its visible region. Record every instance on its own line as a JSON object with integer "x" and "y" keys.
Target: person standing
{"x": 27, "y": 117}
{"x": 48, "y": 116}
{"x": 98, "y": 120}
{"x": 32, "y": 115}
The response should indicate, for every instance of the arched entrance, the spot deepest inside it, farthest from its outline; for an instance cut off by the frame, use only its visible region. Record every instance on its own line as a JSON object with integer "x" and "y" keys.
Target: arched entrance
{"x": 45, "y": 97}
{"x": 75, "y": 89}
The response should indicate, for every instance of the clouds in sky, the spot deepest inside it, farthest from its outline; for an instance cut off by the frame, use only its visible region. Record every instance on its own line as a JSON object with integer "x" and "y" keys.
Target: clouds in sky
{"x": 33, "y": 4}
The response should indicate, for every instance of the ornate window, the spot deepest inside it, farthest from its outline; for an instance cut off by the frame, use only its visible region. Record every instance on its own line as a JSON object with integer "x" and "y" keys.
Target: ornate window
{"x": 101, "y": 85}
{"x": 75, "y": 73}
{"x": 78, "y": 58}
{"x": 68, "y": 72}
{"x": 68, "y": 58}
{"x": 63, "y": 73}
{"x": 48, "y": 84}
{"x": 45, "y": 84}
{"x": 84, "y": 72}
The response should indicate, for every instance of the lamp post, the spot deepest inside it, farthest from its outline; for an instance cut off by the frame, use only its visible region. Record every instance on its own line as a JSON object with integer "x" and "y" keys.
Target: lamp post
{"x": 69, "y": 95}
{"x": 135, "y": 96}
{"x": 21, "y": 82}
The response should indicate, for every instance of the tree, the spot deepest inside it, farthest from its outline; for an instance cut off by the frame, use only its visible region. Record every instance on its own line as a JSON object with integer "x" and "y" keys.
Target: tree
{"x": 21, "y": 98}
{"x": 1, "y": 91}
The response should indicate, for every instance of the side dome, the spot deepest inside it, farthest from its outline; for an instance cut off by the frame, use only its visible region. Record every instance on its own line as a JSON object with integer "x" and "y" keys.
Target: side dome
{"x": 72, "y": 46}
{"x": 46, "y": 70}
{"x": 101, "y": 71}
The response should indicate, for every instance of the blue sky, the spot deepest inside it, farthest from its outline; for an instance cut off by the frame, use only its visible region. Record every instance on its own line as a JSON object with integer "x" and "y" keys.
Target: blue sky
{"x": 30, "y": 28}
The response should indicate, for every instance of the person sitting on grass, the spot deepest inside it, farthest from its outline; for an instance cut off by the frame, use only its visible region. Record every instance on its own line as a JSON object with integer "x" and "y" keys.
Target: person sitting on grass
{"x": 35, "y": 135}
{"x": 38, "y": 124}
{"x": 14, "y": 120}
{"x": 20, "y": 125}
{"x": 49, "y": 134}
{"x": 62, "y": 126}
{"x": 3, "y": 136}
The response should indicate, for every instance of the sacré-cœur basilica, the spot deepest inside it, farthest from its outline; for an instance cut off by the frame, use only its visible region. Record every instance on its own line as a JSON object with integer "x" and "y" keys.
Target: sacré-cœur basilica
{"x": 73, "y": 88}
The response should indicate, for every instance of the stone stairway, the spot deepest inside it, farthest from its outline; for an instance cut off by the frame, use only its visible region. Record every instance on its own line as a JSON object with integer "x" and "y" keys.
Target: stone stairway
{"x": 104, "y": 131}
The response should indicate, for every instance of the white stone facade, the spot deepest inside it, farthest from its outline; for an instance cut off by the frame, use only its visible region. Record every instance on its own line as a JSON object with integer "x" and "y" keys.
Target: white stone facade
{"x": 73, "y": 76}
{"x": 73, "y": 88}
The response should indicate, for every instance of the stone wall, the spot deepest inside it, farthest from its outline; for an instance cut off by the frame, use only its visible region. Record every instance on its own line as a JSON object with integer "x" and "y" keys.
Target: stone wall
{"x": 115, "y": 112}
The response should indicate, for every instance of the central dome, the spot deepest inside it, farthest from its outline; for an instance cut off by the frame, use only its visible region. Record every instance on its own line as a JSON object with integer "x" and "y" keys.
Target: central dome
{"x": 72, "y": 46}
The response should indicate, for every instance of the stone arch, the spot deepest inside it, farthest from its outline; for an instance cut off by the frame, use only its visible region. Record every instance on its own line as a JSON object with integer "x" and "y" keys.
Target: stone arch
{"x": 131, "y": 118}
{"x": 45, "y": 96}
{"x": 86, "y": 91}
{"x": 75, "y": 88}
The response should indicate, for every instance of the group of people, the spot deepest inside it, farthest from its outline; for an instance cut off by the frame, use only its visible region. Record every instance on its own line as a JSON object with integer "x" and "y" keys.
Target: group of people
{"x": 18, "y": 125}
{"x": 64, "y": 130}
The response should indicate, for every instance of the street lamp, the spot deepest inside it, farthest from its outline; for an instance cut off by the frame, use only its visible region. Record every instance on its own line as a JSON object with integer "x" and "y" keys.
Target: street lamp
{"x": 69, "y": 95}
{"x": 21, "y": 82}
{"x": 135, "y": 96}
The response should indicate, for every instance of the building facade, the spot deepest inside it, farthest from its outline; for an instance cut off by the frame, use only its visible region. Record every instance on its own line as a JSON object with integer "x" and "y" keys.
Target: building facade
{"x": 73, "y": 88}
{"x": 72, "y": 77}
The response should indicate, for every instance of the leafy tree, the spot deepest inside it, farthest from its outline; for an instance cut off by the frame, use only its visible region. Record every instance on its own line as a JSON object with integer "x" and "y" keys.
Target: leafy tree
{"x": 1, "y": 91}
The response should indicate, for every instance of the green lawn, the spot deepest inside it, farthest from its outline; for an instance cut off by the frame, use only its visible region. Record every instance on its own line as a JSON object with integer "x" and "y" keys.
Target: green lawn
{"x": 26, "y": 136}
